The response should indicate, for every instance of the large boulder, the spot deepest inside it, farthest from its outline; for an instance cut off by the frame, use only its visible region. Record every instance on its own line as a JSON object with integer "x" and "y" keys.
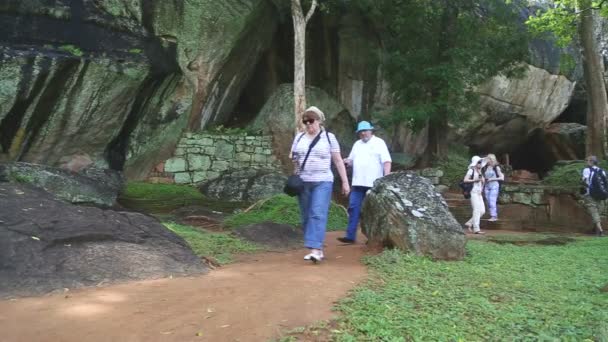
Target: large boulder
{"x": 403, "y": 210}
{"x": 276, "y": 118}
{"x": 89, "y": 186}
{"x": 47, "y": 244}
{"x": 245, "y": 185}
{"x": 512, "y": 108}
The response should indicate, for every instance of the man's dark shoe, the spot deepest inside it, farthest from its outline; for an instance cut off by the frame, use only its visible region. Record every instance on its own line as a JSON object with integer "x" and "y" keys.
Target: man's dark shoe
{"x": 345, "y": 240}
{"x": 600, "y": 233}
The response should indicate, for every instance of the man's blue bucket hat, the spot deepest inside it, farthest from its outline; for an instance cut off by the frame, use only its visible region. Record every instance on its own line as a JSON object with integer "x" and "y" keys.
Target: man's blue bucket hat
{"x": 364, "y": 126}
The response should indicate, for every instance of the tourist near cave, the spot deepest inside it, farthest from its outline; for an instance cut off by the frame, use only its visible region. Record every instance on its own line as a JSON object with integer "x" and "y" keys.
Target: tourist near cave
{"x": 304, "y": 170}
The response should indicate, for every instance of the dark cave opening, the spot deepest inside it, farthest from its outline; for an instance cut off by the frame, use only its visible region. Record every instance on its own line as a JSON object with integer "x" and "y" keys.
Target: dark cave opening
{"x": 534, "y": 155}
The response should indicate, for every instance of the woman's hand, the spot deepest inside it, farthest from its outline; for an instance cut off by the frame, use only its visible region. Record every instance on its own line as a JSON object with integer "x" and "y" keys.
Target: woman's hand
{"x": 345, "y": 188}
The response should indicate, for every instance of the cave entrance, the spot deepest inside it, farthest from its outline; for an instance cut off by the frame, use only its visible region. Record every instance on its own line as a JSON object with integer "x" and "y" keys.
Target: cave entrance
{"x": 534, "y": 155}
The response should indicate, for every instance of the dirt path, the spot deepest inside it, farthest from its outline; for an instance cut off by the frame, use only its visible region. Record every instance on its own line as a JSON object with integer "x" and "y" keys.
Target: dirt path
{"x": 253, "y": 300}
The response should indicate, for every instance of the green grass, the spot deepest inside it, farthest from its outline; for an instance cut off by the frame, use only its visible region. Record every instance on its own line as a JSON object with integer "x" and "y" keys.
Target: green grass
{"x": 568, "y": 175}
{"x": 500, "y": 292}
{"x": 160, "y": 191}
{"x": 284, "y": 209}
{"x": 220, "y": 246}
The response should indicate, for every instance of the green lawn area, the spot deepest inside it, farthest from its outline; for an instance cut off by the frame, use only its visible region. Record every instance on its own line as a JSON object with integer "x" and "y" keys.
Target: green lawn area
{"x": 500, "y": 292}
{"x": 284, "y": 209}
{"x": 220, "y": 246}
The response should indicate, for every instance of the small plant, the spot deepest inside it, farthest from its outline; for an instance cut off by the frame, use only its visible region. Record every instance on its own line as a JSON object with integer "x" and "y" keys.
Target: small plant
{"x": 135, "y": 51}
{"x": 25, "y": 179}
{"x": 71, "y": 49}
{"x": 454, "y": 166}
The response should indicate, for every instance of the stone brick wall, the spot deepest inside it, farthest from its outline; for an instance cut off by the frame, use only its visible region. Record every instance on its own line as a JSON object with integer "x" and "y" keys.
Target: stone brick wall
{"x": 200, "y": 157}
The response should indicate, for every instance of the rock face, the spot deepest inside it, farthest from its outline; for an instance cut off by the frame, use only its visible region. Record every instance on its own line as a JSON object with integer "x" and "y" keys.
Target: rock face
{"x": 512, "y": 108}
{"x": 276, "y": 118}
{"x": 566, "y": 141}
{"x": 245, "y": 185}
{"x": 119, "y": 80}
{"x": 403, "y": 210}
{"x": 47, "y": 244}
{"x": 90, "y": 186}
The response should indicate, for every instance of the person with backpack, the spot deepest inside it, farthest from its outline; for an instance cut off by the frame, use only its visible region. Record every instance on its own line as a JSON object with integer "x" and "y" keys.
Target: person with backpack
{"x": 474, "y": 175}
{"x": 493, "y": 176}
{"x": 596, "y": 190}
{"x": 370, "y": 160}
{"x": 313, "y": 152}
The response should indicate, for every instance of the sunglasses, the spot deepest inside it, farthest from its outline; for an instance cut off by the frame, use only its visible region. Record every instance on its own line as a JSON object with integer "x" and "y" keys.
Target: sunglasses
{"x": 308, "y": 121}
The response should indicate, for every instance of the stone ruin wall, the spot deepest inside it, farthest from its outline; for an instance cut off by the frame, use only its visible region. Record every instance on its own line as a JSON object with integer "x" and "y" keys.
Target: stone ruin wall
{"x": 200, "y": 157}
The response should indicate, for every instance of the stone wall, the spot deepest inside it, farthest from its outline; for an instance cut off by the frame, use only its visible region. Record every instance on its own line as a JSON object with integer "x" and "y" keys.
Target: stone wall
{"x": 200, "y": 157}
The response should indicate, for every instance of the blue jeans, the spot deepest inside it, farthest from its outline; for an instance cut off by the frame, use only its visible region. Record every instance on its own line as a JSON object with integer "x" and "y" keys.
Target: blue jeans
{"x": 355, "y": 200}
{"x": 492, "y": 197}
{"x": 314, "y": 203}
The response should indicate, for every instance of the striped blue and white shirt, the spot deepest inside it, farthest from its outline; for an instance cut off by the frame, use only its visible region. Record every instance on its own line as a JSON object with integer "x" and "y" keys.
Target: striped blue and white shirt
{"x": 318, "y": 165}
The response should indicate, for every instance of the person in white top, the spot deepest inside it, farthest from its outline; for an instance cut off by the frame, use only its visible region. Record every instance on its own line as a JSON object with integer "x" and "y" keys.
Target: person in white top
{"x": 475, "y": 175}
{"x": 370, "y": 160}
{"x": 592, "y": 205}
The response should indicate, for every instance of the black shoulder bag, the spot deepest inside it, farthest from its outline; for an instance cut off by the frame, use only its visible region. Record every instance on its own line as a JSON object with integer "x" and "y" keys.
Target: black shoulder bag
{"x": 295, "y": 184}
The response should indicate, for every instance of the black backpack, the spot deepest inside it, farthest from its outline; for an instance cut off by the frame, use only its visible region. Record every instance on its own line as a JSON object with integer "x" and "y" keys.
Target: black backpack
{"x": 598, "y": 187}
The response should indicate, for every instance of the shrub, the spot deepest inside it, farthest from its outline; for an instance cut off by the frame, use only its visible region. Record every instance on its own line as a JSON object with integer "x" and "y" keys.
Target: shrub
{"x": 568, "y": 174}
{"x": 454, "y": 166}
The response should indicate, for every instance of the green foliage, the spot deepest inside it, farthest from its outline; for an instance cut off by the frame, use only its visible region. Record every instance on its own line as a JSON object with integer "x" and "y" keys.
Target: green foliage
{"x": 438, "y": 51}
{"x": 454, "y": 166}
{"x": 135, "y": 51}
{"x": 25, "y": 179}
{"x": 569, "y": 175}
{"x": 220, "y": 246}
{"x": 561, "y": 19}
{"x": 72, "y": 50}
{"x": 152, "y": 191}
{"x": 284, "y": 209}
{"x": 498, "y": 293}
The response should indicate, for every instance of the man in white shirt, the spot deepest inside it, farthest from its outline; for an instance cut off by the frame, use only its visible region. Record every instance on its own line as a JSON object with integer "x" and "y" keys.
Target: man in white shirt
{"x": 370, "y": 160}
{"x": 592, "y": 205}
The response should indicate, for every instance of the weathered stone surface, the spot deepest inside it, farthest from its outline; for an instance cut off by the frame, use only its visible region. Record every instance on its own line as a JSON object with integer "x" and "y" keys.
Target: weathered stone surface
{"x": 47, "y": 244}
{"x": 198, "y": 162}
{"x": 176, "y": 164}
{"x": 512, "y": 108}
{"x": 566, "y": 141}
{"x": 245, "y": 185}
{"x": 90, "y": 186}
{"x": 276, "y": 118}
{"x": 403, "y": 210}
{"x": 271, "y": 234}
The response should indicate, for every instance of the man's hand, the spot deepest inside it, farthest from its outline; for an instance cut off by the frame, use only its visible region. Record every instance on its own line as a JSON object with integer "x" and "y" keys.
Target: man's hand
{"x": 345, "y": 188}
{"x": 348, "y": 162}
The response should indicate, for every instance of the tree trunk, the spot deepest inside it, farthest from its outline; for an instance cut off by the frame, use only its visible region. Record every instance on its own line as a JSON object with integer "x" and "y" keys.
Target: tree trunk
{"x": 438, "y": 126}
{"x": 299, "y": 55}
{"x": 597, "y": 100}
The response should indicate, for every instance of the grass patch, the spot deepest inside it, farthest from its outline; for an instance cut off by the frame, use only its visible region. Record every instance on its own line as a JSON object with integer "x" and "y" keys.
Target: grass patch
{"x": 163, "y": 198}
{"x": 71, "y": 49}
{"x": 454, "y": 167}
{"x": 220, "y": 246}
{"x": 499, "y": 293}
{"x": 569, "y": 174}
{"x": 284, "y": 209}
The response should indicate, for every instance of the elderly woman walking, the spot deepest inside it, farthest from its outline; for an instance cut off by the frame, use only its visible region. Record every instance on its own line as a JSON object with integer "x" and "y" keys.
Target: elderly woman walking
{"x": 318, "y": 179}
{"x": 474, "y": 175}
{"x": 492, "y": 175}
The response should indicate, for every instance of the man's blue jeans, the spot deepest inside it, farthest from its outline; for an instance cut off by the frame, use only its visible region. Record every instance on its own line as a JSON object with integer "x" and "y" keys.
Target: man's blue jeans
{"x": 357, "y": 194}
{"x": 314, "y": 203}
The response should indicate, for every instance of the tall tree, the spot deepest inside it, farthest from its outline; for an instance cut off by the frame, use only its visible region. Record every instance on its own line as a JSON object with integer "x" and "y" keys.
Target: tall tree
{"x": 561, "y": 20}
{"x": 438, "y": 51}
{"x": 299, "y": 73}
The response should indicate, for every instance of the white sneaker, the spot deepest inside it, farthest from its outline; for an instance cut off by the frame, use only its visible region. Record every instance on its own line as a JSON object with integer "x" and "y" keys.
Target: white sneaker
{"x": 493, "y": 219}
{"x": 308, "y": 256}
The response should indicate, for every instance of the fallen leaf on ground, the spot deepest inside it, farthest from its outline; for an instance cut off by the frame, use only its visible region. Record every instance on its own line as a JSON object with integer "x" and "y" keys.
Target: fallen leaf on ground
{"x": 225, "y": 326}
